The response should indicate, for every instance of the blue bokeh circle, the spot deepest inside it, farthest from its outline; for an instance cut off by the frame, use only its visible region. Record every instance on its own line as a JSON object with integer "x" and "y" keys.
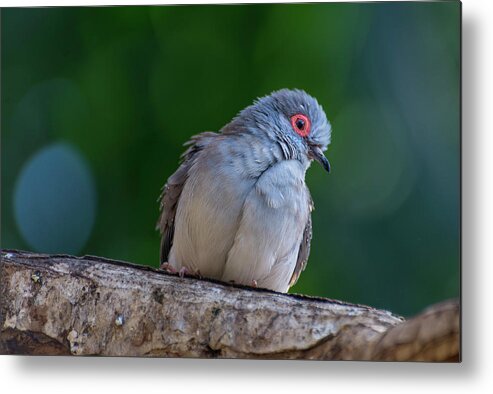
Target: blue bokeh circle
{"x": 55, "y": 200}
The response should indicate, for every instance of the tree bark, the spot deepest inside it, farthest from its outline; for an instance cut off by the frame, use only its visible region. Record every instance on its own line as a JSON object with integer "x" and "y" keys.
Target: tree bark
{"x": 59, "y": 304}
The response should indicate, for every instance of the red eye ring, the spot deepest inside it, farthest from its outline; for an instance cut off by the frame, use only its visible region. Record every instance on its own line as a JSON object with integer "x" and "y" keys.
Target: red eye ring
{"x": 301, "y": 124}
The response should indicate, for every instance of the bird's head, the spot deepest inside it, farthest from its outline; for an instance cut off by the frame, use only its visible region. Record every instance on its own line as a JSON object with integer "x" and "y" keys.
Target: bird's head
{"x": 291, "y": 118}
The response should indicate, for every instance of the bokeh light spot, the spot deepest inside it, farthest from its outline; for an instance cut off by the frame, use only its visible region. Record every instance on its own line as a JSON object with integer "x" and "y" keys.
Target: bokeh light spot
{"x": 55, "y": 200}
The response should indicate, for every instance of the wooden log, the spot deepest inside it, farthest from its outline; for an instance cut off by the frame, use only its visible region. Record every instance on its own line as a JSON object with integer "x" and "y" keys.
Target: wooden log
{"x": 60, "y": 304}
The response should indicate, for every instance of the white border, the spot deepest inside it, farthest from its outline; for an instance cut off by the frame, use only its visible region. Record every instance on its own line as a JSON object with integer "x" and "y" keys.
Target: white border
{"x": 118, "y": 375}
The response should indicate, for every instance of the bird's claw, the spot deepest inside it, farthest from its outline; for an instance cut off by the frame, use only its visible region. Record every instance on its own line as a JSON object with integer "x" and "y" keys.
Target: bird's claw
{"x": 168, "y": 268}
{"x": 183, "y": 271}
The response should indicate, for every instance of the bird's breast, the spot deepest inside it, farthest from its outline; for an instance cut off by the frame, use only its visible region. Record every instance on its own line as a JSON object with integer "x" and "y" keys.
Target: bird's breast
{"x": 211, "y": 204}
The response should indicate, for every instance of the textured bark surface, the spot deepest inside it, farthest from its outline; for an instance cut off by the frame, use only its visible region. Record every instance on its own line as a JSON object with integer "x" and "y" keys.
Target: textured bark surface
{"x": 58, "y": 304}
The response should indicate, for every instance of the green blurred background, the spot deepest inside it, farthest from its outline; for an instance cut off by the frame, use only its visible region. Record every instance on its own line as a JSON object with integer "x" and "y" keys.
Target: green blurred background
{"x": 97, "y": 102}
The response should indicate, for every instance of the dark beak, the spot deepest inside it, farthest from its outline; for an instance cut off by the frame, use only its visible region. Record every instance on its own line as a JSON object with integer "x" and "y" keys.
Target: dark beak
{"x": 317, "y": 154}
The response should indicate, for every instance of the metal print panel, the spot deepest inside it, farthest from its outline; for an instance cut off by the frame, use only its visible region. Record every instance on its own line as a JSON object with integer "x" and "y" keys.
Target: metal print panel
{"x": 321, "y": 163}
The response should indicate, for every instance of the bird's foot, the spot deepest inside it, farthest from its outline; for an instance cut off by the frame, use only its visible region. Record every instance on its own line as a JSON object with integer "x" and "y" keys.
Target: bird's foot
{"x": 168, "y": 268}
{"x": 185, "y": 271}
{"x": 181, "y": 272}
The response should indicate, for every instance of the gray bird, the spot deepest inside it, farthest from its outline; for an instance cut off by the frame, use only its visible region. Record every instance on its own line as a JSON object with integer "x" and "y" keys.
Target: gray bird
{"x": 238, "y": 209}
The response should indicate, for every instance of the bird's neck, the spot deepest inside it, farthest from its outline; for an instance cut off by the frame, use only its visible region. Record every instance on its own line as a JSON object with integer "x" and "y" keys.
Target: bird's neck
{"x": 266, "y": 147}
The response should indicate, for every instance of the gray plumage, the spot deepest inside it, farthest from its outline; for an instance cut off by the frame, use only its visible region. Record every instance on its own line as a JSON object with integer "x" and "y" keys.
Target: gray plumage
{"x": 237, "y": 209}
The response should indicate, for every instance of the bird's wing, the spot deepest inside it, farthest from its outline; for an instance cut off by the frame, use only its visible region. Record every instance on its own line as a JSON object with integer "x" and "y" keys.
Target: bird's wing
{"x": 172, "y": 190}
{"x": 304, "y": 250}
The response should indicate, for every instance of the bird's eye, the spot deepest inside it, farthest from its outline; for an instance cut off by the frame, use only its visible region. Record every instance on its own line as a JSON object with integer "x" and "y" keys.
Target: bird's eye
{"x": 301, "y": 124}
